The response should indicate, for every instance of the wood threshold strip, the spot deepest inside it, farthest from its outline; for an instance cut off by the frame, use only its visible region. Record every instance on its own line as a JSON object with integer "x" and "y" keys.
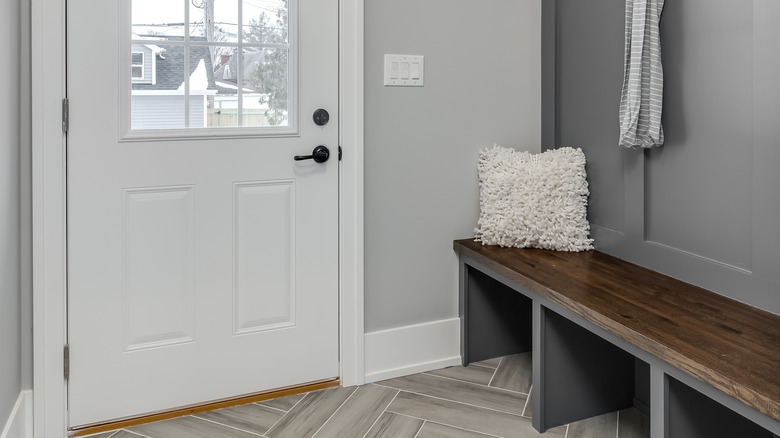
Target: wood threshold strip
{"x": 204, "y": 407}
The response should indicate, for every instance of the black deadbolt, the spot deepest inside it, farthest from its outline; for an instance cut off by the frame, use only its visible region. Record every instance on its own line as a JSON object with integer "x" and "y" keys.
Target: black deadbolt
{"x": 321, "y": 117}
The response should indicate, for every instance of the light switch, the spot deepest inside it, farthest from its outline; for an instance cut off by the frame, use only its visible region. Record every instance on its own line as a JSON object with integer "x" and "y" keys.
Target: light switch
{"x": 393, "y": 70}
{"x": 414, "y": 70}
{"x": 404, "y": 70}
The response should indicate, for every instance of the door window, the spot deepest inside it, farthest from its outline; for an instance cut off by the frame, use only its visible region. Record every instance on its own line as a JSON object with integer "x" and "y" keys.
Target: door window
{"x": 210, "y": 66}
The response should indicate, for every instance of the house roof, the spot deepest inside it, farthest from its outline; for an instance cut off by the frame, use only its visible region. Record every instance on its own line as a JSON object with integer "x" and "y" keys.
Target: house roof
{"x": 170, "y": 66}
{"x": 227, "y": 72}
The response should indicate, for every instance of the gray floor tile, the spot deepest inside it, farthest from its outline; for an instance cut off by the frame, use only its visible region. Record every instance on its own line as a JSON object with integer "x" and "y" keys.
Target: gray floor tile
{"x": 251, "y": 417}
{"x": 435, "y": 430}
{"x": 468, "y": 417}
{"x": 529, "y": 411}
{"x": 125, "y": 434}
{"x": 451, "y": 403}
{"x": 633, "y": 424}
{"x": 490, "y": 363}
{"x": 190, "y": 427}
{"x": 595, "y": 427}
{"x": 458, "y": 391}
{"x": 474, "y": 374}
{"x": 392, "y": 425}
{"x": 514, "y": 373}
{"x": 283, "y": 403}
{"x": 102, "y": 435}
{"x": 356, "y": 416}
{"x": 310, "y": 413}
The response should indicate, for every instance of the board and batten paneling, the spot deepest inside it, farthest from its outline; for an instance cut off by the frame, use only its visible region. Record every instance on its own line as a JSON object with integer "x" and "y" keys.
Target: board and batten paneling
{"x": 704, "y": 208}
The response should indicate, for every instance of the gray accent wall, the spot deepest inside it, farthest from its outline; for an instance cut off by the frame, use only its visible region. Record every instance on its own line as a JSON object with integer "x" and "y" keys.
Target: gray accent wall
{"x": 482, "y": 86}
{"x": 705, "y": 208}
{"x": 10, "y": 278}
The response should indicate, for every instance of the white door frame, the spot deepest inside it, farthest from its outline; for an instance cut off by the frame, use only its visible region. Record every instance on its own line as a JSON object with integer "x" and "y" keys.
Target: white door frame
{"x": 49, "y": 208}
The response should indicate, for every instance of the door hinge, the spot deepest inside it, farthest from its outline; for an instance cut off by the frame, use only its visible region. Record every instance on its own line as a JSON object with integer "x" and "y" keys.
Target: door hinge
{"x": 339, "y": 153}
{"x": 65, "y": 115}
{"x": 66, "y": 361}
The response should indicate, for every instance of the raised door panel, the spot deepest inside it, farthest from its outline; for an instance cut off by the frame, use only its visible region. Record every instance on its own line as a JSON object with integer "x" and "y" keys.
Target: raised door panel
{"x": 264, "y": 242}
{"x": 158, "y": 245}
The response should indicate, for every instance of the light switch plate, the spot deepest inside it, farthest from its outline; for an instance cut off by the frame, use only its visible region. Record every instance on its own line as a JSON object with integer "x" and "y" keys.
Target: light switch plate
{"x": 404, "y": 70}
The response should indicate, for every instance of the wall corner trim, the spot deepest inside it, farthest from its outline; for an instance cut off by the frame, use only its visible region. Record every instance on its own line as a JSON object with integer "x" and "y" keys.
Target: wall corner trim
{"x": 19, "y": 424}
{"x": 351, "y": 241}
{"x": 412, "y": 349}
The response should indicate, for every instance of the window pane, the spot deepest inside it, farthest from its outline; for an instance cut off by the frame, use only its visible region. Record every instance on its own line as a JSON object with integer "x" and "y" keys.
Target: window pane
{"x": 265, "y": 21}
{"x": 213, "y": 87}
{"x": 158, "y": 102}
{"x": 157, "y": 112}
{"x": 215, "y": 20}
{"x": 158, "y": 18}
{"x": 138, "y": 58}
{"x": 266, "y": 78}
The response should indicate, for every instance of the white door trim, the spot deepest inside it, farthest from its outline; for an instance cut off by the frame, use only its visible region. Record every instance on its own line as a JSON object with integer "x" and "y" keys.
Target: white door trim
{"x": 49, "y": 207}
{"x": 351, "y": 196}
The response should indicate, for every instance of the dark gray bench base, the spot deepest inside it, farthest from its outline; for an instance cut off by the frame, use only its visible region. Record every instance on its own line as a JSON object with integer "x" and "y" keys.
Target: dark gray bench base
{"x": 580, "y": 370}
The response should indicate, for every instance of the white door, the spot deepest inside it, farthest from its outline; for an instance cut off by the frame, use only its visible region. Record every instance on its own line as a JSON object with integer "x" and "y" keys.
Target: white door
{"x": 202, "y": 259}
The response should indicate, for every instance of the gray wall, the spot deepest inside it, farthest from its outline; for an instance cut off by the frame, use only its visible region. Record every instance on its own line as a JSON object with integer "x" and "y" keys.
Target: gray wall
{"x": 482, "y": 76}
{"x": 10, "y": 279}
{"x": 705, "y": 207}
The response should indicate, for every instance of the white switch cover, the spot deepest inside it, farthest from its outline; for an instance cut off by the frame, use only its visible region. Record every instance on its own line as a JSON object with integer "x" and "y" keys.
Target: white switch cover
{"x": 404, "y": 70}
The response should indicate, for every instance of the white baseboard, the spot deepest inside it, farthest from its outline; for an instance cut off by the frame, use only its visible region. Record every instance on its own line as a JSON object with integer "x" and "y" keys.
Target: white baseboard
{"x": 412, "y": 349}
{"x": 19, "y": 424}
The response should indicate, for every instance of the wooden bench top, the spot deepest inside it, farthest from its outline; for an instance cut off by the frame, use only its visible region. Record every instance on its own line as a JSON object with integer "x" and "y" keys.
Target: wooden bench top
{"x": 728, "y": 344}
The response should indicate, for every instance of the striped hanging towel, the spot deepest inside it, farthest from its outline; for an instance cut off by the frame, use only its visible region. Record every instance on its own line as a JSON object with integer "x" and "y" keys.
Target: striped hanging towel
{"x": 641, "y": 101}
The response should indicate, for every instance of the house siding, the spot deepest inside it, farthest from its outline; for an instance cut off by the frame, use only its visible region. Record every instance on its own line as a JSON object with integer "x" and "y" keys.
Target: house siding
{"x": 166, "y": 111}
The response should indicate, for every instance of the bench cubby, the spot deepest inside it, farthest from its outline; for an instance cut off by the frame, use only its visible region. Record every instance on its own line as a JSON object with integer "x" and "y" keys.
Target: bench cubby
{"x": 694, "y": 415}
{"x": 607, "y": 335}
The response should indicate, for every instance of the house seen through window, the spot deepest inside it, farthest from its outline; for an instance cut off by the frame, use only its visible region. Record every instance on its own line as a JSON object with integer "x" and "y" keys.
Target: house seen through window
{"x": 210, "y": 64}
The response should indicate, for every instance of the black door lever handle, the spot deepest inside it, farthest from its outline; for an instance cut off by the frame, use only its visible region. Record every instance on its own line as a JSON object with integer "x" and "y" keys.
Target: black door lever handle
{"x": 320, "y": 154}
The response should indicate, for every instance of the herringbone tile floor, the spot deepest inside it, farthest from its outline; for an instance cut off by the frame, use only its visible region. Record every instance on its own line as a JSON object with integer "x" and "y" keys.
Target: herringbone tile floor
{"x": 487, "y": 399}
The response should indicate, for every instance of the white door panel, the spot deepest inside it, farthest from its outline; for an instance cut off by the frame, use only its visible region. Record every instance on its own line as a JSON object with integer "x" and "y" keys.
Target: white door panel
{"x": 198, "y": 268}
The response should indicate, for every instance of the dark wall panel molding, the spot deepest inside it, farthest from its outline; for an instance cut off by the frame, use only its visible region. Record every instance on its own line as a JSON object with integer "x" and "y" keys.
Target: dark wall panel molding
{"x": 706, "y": 207}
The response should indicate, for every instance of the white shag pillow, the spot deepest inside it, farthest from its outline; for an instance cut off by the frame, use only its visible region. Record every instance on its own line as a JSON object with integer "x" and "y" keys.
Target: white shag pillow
{"x": 533, "y": 200}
